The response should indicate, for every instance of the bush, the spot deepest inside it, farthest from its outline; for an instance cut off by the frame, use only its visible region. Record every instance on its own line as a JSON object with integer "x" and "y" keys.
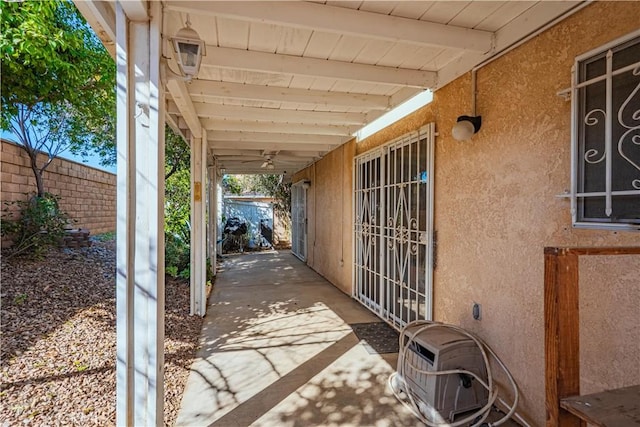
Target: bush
{"x": 105, "y": 237}
{"x": 36, "y": 224}
{"x": 177, "y": 257}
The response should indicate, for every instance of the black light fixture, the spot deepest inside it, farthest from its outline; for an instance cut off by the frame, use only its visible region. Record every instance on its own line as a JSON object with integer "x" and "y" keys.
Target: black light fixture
{"x": 190, "y": 49}
{"x": 467, "y": 126}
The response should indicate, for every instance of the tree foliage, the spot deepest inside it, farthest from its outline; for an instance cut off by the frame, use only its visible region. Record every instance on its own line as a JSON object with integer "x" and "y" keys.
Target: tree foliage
{"x": 233, "y": 184}
{"x": 177, "y": 205}
{"x": 177, "y": 224}
{"x": 176, "y": 151}
{"x": 274, "y": 186}
{"x": 58, "y": 83}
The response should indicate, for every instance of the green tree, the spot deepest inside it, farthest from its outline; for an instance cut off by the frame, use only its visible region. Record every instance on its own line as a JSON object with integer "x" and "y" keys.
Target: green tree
{"x": 274, "y": 186}
{"x": 177, "y": 225}
{"x": 177, "y": 205}
{"x": 232, "y": 184}
{"x": 58, "y": 83}
{"x": 176, "y": 151}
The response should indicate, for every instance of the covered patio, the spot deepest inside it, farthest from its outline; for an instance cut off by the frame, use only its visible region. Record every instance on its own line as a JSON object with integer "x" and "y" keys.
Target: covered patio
{"x": 282, "y": 89}
{"x": 277, "y": 349}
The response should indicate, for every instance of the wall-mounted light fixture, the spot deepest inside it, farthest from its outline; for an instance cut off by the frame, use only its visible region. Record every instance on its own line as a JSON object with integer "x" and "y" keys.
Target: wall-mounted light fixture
{"x": 467, "y": 126}
{"x": 306, "y": 184}
{"x": 190, "y": 49}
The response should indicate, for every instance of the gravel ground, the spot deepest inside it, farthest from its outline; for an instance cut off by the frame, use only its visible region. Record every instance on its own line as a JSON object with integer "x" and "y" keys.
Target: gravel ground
{"x": 58, "y": 339}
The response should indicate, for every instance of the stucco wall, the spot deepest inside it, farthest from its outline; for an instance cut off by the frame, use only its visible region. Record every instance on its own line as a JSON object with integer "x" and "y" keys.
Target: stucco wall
{"x": 496, "y": 209}
{"x": 87, "y": 194}
{"x": 329, "y": 212}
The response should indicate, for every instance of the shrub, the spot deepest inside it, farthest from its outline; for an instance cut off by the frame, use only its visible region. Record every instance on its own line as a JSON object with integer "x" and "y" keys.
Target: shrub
{"x": 177, "y": 229}
{"x": 177, "y": 257}
{"x": 36, "y": 224}
{"x": 105, "y": 237}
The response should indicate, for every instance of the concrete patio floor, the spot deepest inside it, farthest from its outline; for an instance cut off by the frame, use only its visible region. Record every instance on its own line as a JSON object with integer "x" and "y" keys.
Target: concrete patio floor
{"x": 277, "y": 350}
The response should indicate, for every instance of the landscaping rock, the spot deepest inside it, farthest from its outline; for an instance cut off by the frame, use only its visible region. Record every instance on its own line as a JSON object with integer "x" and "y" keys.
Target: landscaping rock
{"x": 58, "y": 339}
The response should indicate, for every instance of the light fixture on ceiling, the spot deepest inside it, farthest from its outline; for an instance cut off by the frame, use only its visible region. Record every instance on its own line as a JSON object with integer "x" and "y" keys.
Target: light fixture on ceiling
{"x": 268, "y": 164}
{"x": 190, "y": 49}
{"x": 467, "y": 126}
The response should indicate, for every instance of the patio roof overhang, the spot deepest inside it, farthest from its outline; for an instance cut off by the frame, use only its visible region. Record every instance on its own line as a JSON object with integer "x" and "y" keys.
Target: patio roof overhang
{"x": 284, "y": 80}
{"x": 293, "y": 80}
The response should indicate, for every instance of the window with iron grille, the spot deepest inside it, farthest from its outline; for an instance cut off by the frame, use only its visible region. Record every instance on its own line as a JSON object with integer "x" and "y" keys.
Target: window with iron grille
{"x": 606, "y": 133}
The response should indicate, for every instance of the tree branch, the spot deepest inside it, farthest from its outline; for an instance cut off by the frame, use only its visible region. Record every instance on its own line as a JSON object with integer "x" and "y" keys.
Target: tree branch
{"x": 173, "y": 170}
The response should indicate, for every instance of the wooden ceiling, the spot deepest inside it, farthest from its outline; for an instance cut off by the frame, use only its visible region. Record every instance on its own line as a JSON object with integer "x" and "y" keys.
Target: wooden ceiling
{"x": 290, "y": 81}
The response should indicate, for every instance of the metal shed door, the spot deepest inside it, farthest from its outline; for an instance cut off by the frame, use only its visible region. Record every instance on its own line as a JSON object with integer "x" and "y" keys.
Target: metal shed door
{"x": 394, "y": 228}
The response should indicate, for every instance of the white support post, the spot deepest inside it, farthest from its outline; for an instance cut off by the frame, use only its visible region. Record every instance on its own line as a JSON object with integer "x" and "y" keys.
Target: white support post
{"x": 213, "y": 214}
{"x": 198, "y": 267}
{"x": 219, "y": 226}
{"x": 140, "y": 222}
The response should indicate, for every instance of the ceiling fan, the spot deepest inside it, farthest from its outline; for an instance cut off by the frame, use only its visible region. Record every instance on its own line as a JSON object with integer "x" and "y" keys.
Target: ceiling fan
{"x": 268, "y": 163}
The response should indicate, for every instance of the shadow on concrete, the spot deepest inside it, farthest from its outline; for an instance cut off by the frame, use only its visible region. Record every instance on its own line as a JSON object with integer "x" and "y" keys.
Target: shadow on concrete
{"x": 277, "y": 349}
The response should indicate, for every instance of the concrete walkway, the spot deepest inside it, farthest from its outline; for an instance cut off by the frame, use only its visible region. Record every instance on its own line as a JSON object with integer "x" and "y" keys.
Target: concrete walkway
{"x": 277, "y": 351}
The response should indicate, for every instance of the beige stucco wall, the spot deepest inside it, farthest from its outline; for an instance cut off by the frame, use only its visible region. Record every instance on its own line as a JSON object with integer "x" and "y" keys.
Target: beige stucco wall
{"x": 329, "y": 212}
{"x": 496, "y": 209}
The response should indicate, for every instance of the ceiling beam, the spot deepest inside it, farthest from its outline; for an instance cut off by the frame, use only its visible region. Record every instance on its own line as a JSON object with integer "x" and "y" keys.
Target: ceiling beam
{"x": 278, "y": 170}
{"x": 253, "y": 167}
{"x": 259, "y": 160}
{"x": 539, "y": 15}
{"x": 102, "y": 18}
{"x": 273, "y": 114}
{"x": 242, "y": 126}
{"x": 268, "y": 146}
{"x": 173, "y": 124}
{"x": 181, "y": 97}
{"x": 260, "y": 153}
{"x": 136, "y": 10}
{"x": 340, "y": 20}
{"x": 241, "y": 59}
{"x": 282, "y": 94}
{"x": 283, "y": 138}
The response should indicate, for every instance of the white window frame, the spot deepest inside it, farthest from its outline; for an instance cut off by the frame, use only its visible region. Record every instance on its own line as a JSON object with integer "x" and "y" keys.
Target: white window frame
{"x": 576, "y": 85}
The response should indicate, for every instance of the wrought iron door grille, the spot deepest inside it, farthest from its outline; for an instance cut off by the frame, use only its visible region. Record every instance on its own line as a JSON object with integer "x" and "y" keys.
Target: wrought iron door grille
{"x": 393, "y": 228}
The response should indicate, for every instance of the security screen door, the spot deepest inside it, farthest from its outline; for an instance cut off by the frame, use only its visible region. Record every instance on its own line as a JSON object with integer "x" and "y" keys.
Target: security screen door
{"x": 394, "y": 228}
{"x": 299, "y": 221}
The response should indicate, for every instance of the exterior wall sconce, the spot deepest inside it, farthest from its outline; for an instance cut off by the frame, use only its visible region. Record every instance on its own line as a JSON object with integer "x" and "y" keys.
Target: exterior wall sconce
{"x": 466, "y": 127}
{"x": 306, "y": 184}
{"x": 190, "y": 49}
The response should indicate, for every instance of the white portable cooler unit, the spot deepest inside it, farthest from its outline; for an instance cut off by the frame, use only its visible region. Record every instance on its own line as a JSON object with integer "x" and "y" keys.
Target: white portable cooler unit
{"x": 440, "y": 349}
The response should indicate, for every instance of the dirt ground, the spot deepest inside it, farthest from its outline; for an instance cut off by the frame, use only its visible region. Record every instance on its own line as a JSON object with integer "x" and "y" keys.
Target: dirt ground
{"x": 58, "y": 339}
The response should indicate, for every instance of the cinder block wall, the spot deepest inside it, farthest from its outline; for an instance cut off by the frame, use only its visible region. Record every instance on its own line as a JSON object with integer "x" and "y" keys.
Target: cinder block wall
{"x": 88, "y": 195}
